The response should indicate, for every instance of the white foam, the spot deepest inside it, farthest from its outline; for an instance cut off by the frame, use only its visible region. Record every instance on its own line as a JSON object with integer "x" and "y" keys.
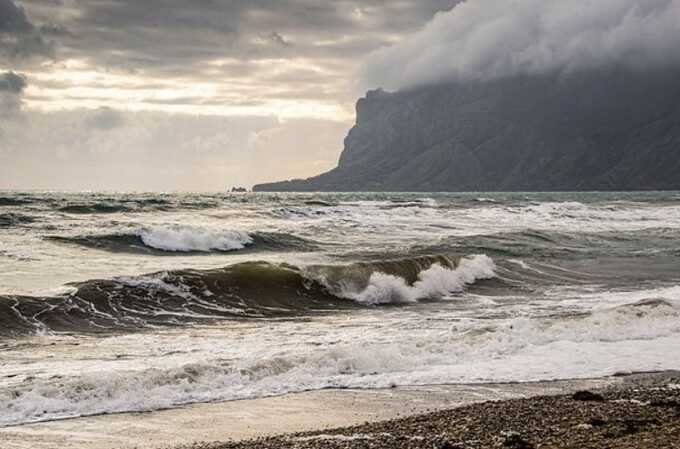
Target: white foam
{"x": 597, "y": 300}
{"x": 435, "y": 282}
{"x": 400, "y": 350}
{"x": 424, "y": 223}
{"x": 176, "y": 237}
{"x": 520, "y": 263}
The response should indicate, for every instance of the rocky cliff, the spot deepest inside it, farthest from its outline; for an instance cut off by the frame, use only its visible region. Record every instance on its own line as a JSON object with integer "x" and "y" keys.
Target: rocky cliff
{"x": 601, "y": 130}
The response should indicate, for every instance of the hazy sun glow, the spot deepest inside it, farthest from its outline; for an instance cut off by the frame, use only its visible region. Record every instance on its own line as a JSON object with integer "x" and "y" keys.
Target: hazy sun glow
{"x": 178, "y": 95}
{"x": 74, "y": 84}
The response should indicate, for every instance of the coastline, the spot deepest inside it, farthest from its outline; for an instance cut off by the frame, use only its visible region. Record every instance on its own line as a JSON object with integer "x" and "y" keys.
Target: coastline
{"x": 343, "y": 413}
{"x": 642, "y": 414}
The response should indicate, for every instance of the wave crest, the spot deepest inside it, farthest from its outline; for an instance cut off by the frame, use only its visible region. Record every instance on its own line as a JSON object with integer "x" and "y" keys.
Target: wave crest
{"x": 186, "y": 238}
{"x": 433, "y": 283}
{"x": 244, "y": 290}
{"x": 182, "y": 239}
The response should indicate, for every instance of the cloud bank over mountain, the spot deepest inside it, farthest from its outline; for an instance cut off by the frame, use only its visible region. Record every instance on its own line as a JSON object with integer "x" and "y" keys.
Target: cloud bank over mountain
{"x": 492, "y": 39}
{"x": 520, "y": 95}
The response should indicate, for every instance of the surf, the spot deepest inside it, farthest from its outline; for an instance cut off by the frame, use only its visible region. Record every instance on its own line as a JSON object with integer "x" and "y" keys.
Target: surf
{"x": 244, "y": 290}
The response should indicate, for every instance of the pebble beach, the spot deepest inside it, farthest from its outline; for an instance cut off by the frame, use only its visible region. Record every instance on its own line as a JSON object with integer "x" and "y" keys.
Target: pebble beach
{"x": 644, "y": 412}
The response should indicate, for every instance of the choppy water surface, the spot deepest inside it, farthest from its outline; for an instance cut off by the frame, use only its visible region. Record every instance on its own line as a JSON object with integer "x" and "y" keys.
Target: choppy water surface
{"x": 122, "y": 302}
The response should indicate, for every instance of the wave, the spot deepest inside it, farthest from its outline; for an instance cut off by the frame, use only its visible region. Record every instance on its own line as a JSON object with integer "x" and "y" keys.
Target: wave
{"x": 440, "y": 279}
{"x": 359, "y": 210}
{"x": 319, "y": 203}
{"x": 645, "y": 319}
{"x": 14, "y": 201}
{"x": 544, "y": 244}
{"x": 520, "y": 348}
{"x": 245, "y": 290}
{"x": 97, "y": 208}
{"x": 131, "y": 204}
{"x": 12, "y": 219}
{"x": 303, "y": 212}
{"x": 183, "y": 239}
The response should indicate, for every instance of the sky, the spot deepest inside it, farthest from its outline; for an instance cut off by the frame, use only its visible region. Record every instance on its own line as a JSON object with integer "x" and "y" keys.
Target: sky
{"x": 172, "y": 95}
{"x": 185, "y": 95}
{"x": 481, "y": 40}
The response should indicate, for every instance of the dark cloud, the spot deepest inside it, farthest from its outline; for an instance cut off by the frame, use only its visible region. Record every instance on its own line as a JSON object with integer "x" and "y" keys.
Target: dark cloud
{"x": 56, "y": 30}
{"x": 162, "y": 35}
{"x": 156, "y": 94}
{"x": 276, "y": 39}
{"x": 11, "y": 82}
{"x": 248, "y": 50}
{"x": 486, "y": 39}
{"x": 13, "y": 18}
{"x": 20, "y": 40}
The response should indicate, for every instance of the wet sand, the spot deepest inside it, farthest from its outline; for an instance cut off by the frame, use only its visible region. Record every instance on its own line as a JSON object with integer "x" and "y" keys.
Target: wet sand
{"x": 643, "y": 416}
{"x": 248, "y": 419}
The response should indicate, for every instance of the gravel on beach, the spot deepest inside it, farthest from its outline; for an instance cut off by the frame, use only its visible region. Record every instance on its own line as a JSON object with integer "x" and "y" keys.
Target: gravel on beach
{"x": 634, "y": 416}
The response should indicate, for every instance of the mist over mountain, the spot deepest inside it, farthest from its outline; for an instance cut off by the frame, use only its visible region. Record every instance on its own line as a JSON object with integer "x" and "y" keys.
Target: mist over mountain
{"x": 492, "y": 39}
{"x": 532, "y": 95}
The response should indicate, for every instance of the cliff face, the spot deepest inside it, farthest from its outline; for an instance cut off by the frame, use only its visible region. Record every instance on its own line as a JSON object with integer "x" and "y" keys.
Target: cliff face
{"x": 605, "y": 130}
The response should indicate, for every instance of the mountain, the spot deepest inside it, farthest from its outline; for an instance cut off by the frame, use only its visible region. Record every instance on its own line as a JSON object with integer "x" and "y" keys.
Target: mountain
{"x": 614, "y": 129}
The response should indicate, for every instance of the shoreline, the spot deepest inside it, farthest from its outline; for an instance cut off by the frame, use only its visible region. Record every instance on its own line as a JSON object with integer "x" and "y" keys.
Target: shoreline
{"x": 641, "y": 412}
{"x": 315, "y": 412}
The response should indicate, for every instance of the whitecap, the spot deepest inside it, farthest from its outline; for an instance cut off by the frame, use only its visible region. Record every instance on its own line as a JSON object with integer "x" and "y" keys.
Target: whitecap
{"x": 184, "y": 238}
{"x": 434, "y": 282}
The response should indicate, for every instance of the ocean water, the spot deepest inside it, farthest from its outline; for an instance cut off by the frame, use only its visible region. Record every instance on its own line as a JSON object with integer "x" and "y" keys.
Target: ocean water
{"x": 116, "y": 302}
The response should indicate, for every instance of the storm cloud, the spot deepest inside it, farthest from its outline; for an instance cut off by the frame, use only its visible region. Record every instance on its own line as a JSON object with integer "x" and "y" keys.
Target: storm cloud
{"x": 487, "y": 39}
{"x": 289, "y": 58}
{"x": 173, "y": 94}
{"x": 20, "y": 40}
{"x": 11, "y": 82}
{"x": 167, "y": 35}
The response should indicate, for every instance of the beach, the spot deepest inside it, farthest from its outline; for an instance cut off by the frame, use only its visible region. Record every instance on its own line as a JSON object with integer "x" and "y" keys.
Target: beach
{"x": 434, "y": 224}
{"x": 161, "y": 320}
{"x": 641, "y": 412}
{"x": 364, "y": 418}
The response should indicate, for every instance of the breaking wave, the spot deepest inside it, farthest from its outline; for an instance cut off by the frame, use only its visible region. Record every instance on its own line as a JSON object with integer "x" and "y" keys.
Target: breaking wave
{"x": 185, "y": 238}
{"x": 439, "y": 280}
{"x": 245, "y": 290}
{"x": 420, "y": 359}
{"x": 176, "y": 239}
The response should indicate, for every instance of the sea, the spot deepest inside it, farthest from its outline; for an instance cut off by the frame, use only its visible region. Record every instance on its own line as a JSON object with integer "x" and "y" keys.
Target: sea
{"x": 126, "y": 302}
